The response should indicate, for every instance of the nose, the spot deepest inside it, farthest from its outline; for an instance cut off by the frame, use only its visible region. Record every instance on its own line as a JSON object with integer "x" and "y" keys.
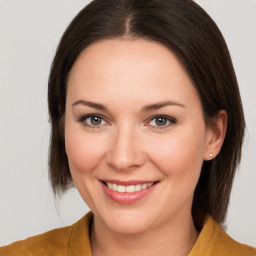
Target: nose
{"x": 125, "y": 152}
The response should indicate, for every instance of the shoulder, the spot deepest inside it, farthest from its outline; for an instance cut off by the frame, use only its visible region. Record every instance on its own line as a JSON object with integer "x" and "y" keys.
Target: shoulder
{"x": 54, "y": 242}
{"x": 213, "y": 240}
{"x": 224, "y": 243}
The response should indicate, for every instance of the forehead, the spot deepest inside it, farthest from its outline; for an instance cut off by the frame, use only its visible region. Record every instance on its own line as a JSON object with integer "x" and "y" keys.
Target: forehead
{"x": 129, "y": 70}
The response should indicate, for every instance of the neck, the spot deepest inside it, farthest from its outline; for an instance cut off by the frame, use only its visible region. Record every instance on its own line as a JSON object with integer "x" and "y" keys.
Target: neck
{"x": 176, "y": 237}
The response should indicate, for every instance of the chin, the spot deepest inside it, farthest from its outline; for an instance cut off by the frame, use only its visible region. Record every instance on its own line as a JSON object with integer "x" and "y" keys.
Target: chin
{"x": 128, "y": 222}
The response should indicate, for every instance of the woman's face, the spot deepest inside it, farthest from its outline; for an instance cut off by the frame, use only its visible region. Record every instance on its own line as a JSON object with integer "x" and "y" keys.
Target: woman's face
{"x": 135, "y": 134}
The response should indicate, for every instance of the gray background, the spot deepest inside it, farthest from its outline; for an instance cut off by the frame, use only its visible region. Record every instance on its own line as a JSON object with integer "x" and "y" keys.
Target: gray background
{"x": 29, "y": 33}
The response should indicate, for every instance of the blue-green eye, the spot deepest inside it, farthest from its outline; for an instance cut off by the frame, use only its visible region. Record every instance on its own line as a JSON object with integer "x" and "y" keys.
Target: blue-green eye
{"x": 162, "y": 121}
{"x": 93, "y": 120}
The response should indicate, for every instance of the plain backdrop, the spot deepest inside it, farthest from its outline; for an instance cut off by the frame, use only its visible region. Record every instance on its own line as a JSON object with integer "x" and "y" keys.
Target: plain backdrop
{"x": 29, "y": 33}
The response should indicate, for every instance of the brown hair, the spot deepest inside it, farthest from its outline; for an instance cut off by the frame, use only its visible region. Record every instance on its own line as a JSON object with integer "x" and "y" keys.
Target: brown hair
{"x": 188, "y": 31}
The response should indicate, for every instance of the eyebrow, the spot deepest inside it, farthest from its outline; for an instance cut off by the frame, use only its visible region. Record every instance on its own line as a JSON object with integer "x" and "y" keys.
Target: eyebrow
{"x": 146, "y": 108}
{"x": 90, "y": 104}
{"x": 159, "y": 105}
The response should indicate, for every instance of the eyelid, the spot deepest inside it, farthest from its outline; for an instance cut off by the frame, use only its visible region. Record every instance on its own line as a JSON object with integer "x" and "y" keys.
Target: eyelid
{"x": 84, "y": 117}
{"x": 172, "y": 121}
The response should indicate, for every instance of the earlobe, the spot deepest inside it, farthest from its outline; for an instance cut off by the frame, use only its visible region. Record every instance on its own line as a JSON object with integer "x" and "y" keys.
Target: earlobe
{"x": 217, "y": 132}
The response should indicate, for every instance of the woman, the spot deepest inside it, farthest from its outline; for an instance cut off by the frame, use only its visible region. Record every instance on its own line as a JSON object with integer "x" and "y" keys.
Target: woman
{"x": 142, "y": 97}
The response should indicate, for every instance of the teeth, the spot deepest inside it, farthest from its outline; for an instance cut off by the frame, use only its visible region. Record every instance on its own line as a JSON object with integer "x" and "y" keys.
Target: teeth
{"x": 144, "y": 186}
{"x": 128, "y": 189}
{"x": 120, "y": 188}
{"x": 150, "y": 184}
{"x": 137, "y": 187}
{"x": 114, "y": 187}
{"x": 110, "y": 185}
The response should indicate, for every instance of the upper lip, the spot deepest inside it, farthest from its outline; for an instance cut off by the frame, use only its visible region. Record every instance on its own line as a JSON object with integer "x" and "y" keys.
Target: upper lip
{"x": 128, "y": 182}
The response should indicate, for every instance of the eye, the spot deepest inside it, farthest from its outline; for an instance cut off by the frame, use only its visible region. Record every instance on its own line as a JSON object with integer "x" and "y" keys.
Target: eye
{"x": 162, "y": 121}
{"x": 93, "y": 121}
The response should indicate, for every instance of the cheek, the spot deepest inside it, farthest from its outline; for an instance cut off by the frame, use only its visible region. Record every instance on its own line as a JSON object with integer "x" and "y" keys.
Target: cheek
{"x": 180, "y": 156}
{"x": 83, "y": 151}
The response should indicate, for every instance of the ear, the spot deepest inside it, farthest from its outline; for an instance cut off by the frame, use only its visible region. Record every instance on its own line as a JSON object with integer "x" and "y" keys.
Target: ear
{"x": 216, "y": 132}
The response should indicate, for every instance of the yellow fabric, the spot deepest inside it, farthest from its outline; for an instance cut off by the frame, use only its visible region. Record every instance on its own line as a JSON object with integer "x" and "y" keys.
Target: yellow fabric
{"x": 74, "y": 241}
{"x": 68, "y": 241}
{"x": 214, "y": 241}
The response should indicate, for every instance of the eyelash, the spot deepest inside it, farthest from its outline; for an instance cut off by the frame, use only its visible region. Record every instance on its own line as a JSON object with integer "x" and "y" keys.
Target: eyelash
{"x": 171, "y": 120}
{"x": 83, "y": 118}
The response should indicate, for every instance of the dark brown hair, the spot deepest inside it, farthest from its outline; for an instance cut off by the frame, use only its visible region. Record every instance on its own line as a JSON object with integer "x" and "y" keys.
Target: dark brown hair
{"x": 188, "y": 31}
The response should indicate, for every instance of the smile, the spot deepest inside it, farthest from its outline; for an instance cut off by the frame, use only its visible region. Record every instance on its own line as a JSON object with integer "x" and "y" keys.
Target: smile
{"x": 127, "y": 192}
{"x": 128, "y": 189}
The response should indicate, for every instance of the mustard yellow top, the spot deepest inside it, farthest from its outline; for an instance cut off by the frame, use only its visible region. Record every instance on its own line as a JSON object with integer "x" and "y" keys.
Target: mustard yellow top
{"x": 74, "y": 241}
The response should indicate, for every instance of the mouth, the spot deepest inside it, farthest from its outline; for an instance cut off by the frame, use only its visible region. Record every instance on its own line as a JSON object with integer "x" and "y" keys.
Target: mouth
{"x": 127, "y": 192}
{"x": 128, "y": 188}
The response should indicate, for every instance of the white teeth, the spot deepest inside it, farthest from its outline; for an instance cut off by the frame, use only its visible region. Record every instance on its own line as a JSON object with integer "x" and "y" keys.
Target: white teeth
{"x": 114, "y": 187}
{"x": 144, "y": 186}
{"x": 110, "y": 185}
{"x": 128, "y": 189}
{"x": 137, "y": 187}
{"x": 121, "y": 188}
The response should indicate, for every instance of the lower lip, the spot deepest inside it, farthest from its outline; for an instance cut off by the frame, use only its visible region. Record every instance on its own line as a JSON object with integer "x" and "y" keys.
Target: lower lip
{"x": 125, "y": 197}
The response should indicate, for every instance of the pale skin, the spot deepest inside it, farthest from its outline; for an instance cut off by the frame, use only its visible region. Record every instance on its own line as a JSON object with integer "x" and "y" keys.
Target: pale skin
{"x": 128, "y": 141}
